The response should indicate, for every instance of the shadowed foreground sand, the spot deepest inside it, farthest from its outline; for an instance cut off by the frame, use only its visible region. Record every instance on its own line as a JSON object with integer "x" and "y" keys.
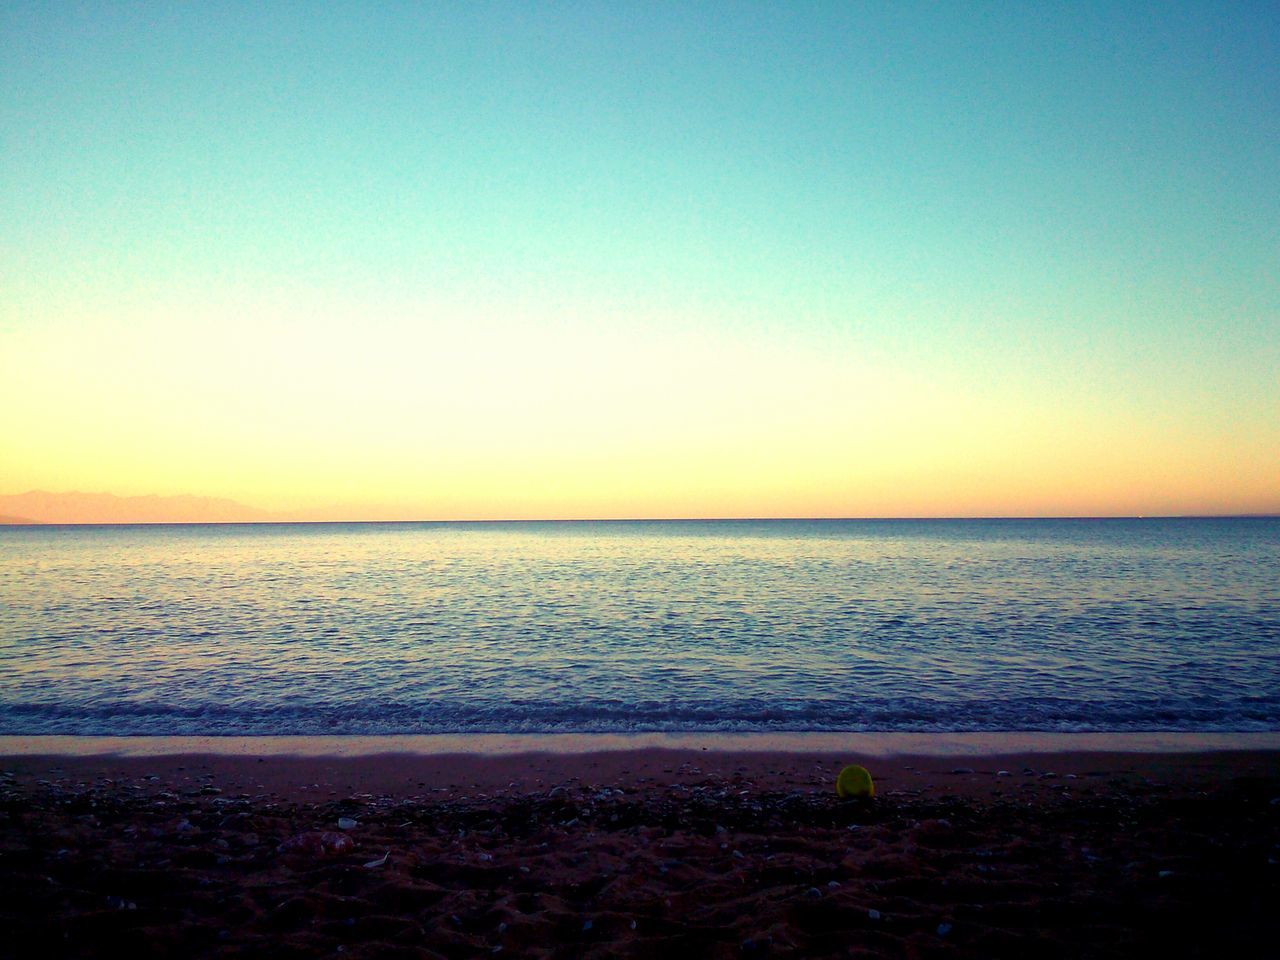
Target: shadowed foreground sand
{"x": 656, "y": 853}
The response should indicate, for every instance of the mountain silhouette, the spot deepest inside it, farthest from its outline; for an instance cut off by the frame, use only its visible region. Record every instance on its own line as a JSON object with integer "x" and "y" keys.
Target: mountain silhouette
{"x": 41, "y": 506}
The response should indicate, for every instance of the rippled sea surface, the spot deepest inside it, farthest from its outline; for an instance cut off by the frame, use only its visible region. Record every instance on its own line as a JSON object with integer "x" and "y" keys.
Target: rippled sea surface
{"x": 775, "y": 625}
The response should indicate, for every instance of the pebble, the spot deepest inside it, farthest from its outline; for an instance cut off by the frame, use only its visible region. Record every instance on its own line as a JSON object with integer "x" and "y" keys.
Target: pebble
{"x": 873, "y": 914}
{"x": 1003, "y": 773}
{"x": 317, "y": 844}
{"x": 346, "y": 823}
{"x": 963, "y": 770}
{"x": 813, "y": 893}
{"x": 944, "y": 929}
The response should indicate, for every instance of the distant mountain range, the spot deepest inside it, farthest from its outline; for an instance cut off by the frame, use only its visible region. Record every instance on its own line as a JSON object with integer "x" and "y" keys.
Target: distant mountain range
{"x": 40, "y": 506}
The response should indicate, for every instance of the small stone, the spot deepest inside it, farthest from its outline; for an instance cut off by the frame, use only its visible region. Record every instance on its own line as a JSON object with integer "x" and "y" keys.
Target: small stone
{"x": 813, "y": 893}
{"x": 1003, "y": 773}
{"x": 1165, "y": 873}
{"x": 833, "y": 884}
{"x": 962, "y": 770}
{"x": 873, "y": 914}
{"x": 586, "y": 926}
{"x": 317, "y": 844}
{"x": 346, "y": 823}
{"x": 944, "y": 929}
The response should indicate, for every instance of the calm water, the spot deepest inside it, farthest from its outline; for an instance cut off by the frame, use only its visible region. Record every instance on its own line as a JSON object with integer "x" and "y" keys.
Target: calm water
{"x": 777, "y": 625}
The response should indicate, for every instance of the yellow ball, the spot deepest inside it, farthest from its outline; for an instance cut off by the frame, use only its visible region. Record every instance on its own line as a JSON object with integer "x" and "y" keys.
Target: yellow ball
{"x": 854, "y": 783}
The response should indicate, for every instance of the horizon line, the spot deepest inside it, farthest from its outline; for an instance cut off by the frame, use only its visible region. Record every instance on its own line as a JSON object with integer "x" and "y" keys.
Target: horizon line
{"x": 23, "y": 522}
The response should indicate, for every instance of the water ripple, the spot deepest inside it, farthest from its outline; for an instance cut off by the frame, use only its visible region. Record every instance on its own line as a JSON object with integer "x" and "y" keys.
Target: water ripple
{"x": 420, "y": 628}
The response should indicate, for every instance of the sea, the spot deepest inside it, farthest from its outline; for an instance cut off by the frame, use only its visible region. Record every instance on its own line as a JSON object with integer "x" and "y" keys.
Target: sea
{"x": 631, "y": 626}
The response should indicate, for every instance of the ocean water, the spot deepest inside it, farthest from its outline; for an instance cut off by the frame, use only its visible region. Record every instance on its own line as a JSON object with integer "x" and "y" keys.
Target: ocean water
{"x": 956, "y": 625}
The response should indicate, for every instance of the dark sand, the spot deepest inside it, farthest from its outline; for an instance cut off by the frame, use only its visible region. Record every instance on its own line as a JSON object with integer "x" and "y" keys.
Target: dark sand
{"x": 647, "y": 853}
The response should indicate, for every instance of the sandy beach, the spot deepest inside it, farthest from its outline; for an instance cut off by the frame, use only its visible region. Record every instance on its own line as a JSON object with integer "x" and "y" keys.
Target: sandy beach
{"x": 645, "y": 850}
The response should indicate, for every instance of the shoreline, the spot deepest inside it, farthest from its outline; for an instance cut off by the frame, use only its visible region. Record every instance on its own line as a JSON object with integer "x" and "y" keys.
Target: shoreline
{"x": 430, "y": 769}
{"x": 879, "y": 745}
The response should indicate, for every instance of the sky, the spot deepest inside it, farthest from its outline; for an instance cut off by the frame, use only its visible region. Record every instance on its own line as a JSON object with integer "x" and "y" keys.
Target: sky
{"x": 644, "y": 260}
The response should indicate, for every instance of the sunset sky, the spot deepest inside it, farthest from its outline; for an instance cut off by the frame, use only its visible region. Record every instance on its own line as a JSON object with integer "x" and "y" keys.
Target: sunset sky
{"x": 642, "y": 260}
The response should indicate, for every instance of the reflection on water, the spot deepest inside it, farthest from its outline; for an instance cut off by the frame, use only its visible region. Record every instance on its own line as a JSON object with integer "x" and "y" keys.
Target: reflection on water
{"x": 777, "y": 625}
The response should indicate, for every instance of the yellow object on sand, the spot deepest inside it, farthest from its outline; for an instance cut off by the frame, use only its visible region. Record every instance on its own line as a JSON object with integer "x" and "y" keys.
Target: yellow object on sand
{"x": 855, "y": 783}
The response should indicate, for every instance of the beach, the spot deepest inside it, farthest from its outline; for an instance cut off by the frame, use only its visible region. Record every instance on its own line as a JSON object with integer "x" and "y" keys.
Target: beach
{"x": 719, "y": 847}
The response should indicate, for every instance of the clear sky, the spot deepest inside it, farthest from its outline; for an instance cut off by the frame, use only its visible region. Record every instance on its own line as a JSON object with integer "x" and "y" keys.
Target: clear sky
{"x": 575, "y": 260}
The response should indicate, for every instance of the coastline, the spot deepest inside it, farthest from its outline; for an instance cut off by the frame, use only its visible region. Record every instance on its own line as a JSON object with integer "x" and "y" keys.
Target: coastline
{"x": 879, "y": 744}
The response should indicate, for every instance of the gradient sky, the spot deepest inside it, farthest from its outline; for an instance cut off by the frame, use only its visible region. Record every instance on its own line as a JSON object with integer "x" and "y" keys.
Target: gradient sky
{"x": 574, "y": 260}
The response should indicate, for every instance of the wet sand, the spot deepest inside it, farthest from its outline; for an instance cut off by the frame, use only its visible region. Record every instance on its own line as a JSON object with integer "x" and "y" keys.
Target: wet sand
{"x": 637, "y": 852}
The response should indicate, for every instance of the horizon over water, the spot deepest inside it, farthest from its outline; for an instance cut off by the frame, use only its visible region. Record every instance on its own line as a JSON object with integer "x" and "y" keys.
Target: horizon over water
{"x": 1089, "y": 624}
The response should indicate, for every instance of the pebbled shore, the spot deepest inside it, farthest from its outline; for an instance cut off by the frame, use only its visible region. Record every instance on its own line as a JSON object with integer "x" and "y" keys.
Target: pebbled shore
{"x": 643, "y": 853}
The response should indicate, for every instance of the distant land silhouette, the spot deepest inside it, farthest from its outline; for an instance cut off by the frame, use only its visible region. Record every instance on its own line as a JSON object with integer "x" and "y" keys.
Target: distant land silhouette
{"x": 43, "y": 507}
{"x": 40, "y": 506}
